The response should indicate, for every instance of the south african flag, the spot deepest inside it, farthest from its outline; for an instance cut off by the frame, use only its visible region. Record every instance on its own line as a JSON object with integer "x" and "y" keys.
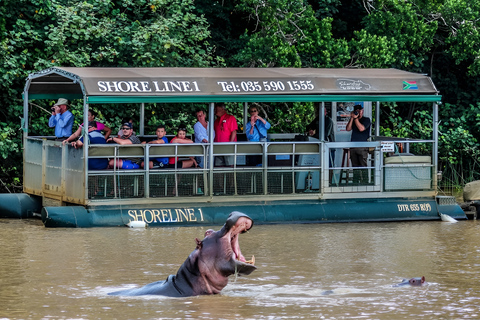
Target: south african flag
{"x": 410, "y": 85}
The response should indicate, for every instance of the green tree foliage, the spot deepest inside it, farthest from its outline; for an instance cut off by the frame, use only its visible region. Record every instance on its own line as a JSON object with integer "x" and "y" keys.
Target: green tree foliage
{"x": 288, "y": 34}
{"x": 226, "y": 25}
{"x": 395, "y": 34}
{"x": 461, "y": 21}
{"x": 37, "y": 34}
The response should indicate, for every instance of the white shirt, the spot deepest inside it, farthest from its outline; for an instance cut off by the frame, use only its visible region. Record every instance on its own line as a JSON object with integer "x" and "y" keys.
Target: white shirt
{"x": 201, "y": 133}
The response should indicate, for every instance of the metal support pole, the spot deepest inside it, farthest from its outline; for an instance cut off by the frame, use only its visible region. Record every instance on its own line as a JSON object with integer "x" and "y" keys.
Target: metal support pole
{"x": 321, "y": 157}
{"x": 245, "y": 116}
{"x": 321, "y": 123}
{"x": 146, "y": 181}
{"x": 435, "y": 145}
{"x": 142, "y": 119}
{"x": 86, "y": 143}
{"x": 146, "y": 166}
{"x": 211, "y": 120}
{"x": 25, "y": 128}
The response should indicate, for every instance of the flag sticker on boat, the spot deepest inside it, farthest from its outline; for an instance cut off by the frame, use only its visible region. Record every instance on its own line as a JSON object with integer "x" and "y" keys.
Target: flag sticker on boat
{"x": 410, "y": 85}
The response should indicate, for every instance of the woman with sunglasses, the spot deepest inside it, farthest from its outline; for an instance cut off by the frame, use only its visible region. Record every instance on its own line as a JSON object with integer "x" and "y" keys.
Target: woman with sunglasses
{"x": 257, "y": 127}
{"x": 256, "y": 130}
{"x": 128, "y": 137}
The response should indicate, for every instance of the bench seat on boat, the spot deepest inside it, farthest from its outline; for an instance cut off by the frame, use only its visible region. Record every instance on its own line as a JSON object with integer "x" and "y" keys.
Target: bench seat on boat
{"x": 408, "y": 159}
{"x": 408, "y": 172}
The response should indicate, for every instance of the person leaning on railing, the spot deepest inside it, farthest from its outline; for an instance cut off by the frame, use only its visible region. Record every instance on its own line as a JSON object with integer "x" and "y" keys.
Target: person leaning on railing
{"x": 128, "y": 137}
{"x": 181, "y": 137}
{"x": 201, "y": 130}
{"x": 99, "y": 126}
{"x": 95, "y": 137}
{"x": 158, "y": 162}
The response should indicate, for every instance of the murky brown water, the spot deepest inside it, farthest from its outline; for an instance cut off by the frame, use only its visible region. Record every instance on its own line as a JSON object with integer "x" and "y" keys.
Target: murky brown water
{"x": 67, "y": 273}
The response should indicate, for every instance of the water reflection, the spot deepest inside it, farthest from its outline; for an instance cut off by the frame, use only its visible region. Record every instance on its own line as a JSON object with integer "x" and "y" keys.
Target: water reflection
{"x": 67, "y": 273}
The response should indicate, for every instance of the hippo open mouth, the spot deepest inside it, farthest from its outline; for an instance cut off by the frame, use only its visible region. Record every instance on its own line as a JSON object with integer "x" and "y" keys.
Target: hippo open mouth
{"x": 241, "y": 224}
{"x": 207, "y": 268}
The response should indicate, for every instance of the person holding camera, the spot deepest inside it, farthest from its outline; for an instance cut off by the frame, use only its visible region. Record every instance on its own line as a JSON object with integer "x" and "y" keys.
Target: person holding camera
{"x": 61, "y": 119}
{"x": 360, "y": 127}
{"x": 256, "y": 130}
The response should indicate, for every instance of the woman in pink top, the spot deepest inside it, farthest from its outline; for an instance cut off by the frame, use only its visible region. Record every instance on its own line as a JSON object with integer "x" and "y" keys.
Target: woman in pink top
{"x": 100, "y": 127}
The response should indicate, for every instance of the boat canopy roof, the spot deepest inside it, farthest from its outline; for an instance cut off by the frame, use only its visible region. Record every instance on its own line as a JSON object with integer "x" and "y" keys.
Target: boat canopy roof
{"x": 137, "y": 85}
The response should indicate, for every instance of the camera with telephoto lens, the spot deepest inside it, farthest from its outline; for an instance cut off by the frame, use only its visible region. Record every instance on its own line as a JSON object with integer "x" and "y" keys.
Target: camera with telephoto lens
{"x": 355, "y": 112}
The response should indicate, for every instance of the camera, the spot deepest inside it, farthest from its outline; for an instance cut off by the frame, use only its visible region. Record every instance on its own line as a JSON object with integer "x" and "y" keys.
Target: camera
{"x": 53, "y": 108}
{"x": 355, "y": 112}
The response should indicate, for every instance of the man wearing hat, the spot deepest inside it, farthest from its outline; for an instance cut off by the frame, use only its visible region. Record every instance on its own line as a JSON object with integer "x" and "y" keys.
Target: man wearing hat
{"x": 360, "y": 127}
{"x": 61, "y": 119}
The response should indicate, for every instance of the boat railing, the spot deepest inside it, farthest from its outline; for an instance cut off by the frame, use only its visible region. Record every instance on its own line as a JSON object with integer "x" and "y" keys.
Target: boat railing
{"x": 386, "y": 171}
{"x": 253, "y": 169}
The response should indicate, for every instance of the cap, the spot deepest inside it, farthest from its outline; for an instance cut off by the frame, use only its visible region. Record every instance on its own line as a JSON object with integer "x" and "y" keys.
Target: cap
{"x": 127, "y": 124}
{"x": 61, "y": 101}
{"x": 357, "y": 107}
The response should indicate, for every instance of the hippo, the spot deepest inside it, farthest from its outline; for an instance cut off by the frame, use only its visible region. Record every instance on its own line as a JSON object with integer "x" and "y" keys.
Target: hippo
{"x": 207, "y": 268}
{"x": 416, "y": 282}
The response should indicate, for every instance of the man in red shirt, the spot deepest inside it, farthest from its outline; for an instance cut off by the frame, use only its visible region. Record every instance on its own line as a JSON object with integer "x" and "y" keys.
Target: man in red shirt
{"x": 225, "y": 127}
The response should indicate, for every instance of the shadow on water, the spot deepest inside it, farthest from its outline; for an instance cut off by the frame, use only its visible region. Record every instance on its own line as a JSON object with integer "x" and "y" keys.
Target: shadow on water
{"x": 67, "y": 273}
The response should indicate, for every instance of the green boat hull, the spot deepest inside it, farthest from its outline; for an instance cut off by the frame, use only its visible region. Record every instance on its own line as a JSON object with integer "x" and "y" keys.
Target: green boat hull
{"x": 293, "y": 211}
{"x": 19, "y": 205}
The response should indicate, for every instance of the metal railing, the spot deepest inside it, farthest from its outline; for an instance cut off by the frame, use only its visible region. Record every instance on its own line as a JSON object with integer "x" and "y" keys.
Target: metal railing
{"x": 257, "y": 169}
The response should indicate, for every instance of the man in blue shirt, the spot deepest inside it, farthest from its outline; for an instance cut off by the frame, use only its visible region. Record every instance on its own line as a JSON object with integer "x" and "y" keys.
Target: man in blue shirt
{"x": 61, "y": 119}
{"x": 161, "y": 162}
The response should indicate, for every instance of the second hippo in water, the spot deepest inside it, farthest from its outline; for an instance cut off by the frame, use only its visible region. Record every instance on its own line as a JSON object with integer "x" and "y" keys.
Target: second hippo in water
{"x": 416, "y": 282}
{"x": 207, "y": 268}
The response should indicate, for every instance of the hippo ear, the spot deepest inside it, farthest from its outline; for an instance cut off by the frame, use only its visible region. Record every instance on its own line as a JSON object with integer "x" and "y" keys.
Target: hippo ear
{"x": 423, "y": 279}
{"x": 199, "y": 243}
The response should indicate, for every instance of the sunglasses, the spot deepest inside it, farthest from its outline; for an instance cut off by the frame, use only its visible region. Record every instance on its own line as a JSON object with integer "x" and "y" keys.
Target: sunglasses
{"x": 252, "y": 111}
{"x": 126, "y": 128}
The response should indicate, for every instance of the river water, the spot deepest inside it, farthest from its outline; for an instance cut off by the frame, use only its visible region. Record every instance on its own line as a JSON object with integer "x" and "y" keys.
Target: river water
{"x": 67, "y": 273}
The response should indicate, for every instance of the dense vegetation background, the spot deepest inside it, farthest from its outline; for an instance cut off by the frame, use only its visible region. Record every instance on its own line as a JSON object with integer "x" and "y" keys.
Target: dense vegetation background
{"x": 438, "y": 37}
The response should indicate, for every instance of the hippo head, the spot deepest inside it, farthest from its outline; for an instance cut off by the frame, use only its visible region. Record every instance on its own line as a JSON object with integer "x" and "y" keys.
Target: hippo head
{"x": 412, "y": 282}
{"x": 218, "y": 255}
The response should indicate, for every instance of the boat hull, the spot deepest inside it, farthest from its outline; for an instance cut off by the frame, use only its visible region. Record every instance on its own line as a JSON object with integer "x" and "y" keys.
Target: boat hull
{"x": 262, "y": 212}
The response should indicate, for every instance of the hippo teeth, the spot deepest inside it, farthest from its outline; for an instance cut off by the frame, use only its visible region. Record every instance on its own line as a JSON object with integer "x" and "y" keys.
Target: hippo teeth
{"x": 251, "y": 261}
